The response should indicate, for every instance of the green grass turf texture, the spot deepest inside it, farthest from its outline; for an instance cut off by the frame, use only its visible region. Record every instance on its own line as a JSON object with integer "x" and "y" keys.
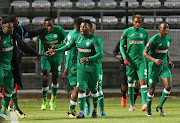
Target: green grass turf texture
{"x": 115, "y": 113}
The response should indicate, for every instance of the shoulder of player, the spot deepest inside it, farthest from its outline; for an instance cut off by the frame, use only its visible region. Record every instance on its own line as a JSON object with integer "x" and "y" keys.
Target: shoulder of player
{"x": 144, "y": 30}
{"x": 57, "y": 27}
{"x": 169, "y": 37}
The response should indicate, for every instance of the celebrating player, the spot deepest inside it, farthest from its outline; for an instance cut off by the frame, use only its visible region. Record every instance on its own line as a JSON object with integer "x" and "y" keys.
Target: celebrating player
{"x": 158, "y": 66}
{"x": 50, "y": 38}
{"x": 136, "y": 38}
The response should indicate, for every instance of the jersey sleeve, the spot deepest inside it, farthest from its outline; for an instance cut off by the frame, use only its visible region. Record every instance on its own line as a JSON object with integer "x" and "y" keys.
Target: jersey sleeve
{"x": 68, "y": 56}
{"x": 123, "y": 41}
{"x": 150, "y": 44}
{"x": 62, "y": 36}
{"x": 98, "y": 44}
{"x": 146, "y": 38}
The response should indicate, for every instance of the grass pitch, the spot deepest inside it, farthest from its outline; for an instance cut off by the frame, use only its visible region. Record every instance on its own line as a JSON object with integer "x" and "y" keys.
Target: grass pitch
{"x": 115, "y": 113}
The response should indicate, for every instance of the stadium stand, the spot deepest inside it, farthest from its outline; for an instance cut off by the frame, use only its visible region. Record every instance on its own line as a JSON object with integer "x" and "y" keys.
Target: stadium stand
{"x": 65, "y": 20}
{"x": 91, "y": 18}
{"x": 173, "y": 19}
{"x": 107, "y": 4}
{"x": 38, "y": 20}
{"x": 62, "y": 4}
{"x": 109, "y": 20}
{"x": 41, "y": 4}
{"x": 131, "y": 3}
{"x": 172, "y": 3}
{"x": 151, "y": 3}
{"x": 24, "y": 20}
{"x": 123, "y": 20}
{"x": 20, "y": 4}
{"x": 152, "y": 20}
{"x": 85, "y": 4}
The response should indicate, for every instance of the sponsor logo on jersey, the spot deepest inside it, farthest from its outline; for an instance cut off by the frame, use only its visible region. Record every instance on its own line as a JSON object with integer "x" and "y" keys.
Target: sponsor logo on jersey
{"x": 168, "y": 43}
{"x": 55, "y": 35}
{"x": 160, "y": 44}
{"x": 148, "y": 44}
{"x": 132, "y": 34}
{"x": 136, "y": 42}
{"x": 161, "y": 51}
{"x": 87, "y": 44}
{"x": 7, "y": 49}
{"x": 150, "y": 81}
{"x": 141, "y": 35}
{"x": 4, "y": 42}
{"x": 79, "y": 42}
{"x": 121, "y": 37}
{"x": 84, "y": 50}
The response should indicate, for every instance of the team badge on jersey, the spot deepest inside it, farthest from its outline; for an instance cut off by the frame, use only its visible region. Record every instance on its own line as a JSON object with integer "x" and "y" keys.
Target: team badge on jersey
{"x": 148, "y": 44}
{"x": 168, "y": 43}
{"x": 141, "y": 35}
{"x": 87, "y": 44}
{"x": 121, "y": 37}
{"x": 55, "y": 35}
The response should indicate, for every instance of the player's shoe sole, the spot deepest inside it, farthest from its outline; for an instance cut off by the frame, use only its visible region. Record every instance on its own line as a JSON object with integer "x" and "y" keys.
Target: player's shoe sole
{"x": 144, "y": 107}
{"x": 20, "y": 113}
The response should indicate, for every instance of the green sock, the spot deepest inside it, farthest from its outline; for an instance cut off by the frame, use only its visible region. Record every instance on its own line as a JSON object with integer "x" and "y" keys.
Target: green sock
{"x": 14, "y": 98}
{"x": 72, "y": 106}
{"x": 88, "y": 100}
{"x": 149, "y": 101}
{"x": 164, "y": 97}
{"x": 95, "y": 100}
{"x": 131, "y": 95}
{"x": 144, "y": 94}
{"x": 7, "y": 98}
{"x": 82, "y": 100}
{"x": 45, "y": 93}
{"x": 54, "y": 89}
{"x": 101, "y": 101}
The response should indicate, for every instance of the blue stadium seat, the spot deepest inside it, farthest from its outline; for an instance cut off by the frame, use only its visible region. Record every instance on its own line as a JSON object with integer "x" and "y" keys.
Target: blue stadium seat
{"x": 41, "y": 4}
{"x": 151, "y": 3}
{"x": 64, "y": 20}
{"x": 85, "y": 4}
{"x": 107, "y": 4}
{"x": 131, "y": 3}
{"x": 109, "y": 20}
{"x": 20, "y": 4}
{"x": 172, "y": 3}
{"x": 62, "y": 4}
{"x": 24, "y": 20}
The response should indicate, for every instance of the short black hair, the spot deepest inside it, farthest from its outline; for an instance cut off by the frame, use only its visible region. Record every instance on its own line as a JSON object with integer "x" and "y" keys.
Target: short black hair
{"x": 48, "y": 19}
{"x": 5, "y": 21}
{"x": 138, "y": 16}
{"x": 12, "y": 18}
{"x": 78, "y": 21}
{"x": 88, "y": 22}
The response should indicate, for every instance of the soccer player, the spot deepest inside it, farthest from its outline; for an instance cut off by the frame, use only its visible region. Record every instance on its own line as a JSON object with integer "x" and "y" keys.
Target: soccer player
{"x": 23, "y": 33}
{"x": 89, "y": 53}
{"x": 136, "y": 38}
{"x": 50, "y": 38}
{"x": 71, "y": 66}
{"x": 123, "y": 77}
{"x": 100, "y": 93}
{"x": 158, "y": 66}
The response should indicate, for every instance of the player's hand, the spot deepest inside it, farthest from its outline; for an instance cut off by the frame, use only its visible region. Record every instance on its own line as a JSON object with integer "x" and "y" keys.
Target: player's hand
{"x": 171, "y": 65}
{"x": 51, "y": 52}
{"x": 119, "y": 57}
{"x": 54, "y": 46}
{"x": 66, "y": 72}
{"x": 84, "y": 60}
{"x": 36, "y": 59}
{"x": 159, "y": 62}
{"x": 126, "y": 62}
{"x": 64, "y": 42}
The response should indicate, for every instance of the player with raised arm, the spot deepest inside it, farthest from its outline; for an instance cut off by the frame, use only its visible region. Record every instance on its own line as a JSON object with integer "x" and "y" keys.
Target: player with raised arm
{"x": 52, "y": 37}
{"x": 158, "y": 46}
{"x": 136, "y": 38}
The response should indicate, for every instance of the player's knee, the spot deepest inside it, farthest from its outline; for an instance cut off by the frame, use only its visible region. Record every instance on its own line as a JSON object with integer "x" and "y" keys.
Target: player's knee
{"x": 168, "y": 88}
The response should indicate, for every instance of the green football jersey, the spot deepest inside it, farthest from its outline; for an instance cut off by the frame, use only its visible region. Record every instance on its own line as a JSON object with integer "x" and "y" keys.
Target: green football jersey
{"x": 158, "y": 47}
{"x": 56, "y": 36}
{"x": 6, "y": 51}
{"x": 71, "y": 57}
{"x": 136, "y": 40}
{"x": 91, "y": 47}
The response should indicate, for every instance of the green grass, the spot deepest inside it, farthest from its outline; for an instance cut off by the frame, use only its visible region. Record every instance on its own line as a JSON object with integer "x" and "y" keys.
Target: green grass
{"x": 116, "y": 114}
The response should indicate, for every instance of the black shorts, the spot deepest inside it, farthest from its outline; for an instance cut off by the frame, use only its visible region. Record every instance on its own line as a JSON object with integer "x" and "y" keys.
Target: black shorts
{"x": 123, "y": 77}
